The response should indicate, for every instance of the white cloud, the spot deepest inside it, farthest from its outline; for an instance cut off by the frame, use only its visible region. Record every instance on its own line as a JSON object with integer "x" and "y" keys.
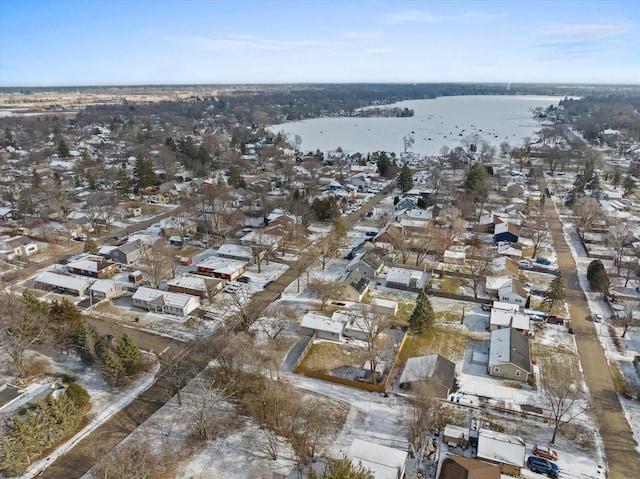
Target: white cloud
{"x": 587, "y": 31}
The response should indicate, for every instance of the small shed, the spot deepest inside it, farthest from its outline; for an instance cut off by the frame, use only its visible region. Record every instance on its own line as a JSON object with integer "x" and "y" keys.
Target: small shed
{"x": 384, "y": 306}
{"x": 135, "y": 277}
{"x": 454, "y": 257}
{"x": 456, "y": 435}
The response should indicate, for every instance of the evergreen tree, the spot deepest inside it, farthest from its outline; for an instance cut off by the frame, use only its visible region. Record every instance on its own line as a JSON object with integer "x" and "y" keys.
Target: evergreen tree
{"x": 143, "y": 172}
{"x": 86, "y": 343}
{"x": 235, "y": 179}
{"x": 123, "y": 181}
{"x": 63, "y": 149}
{"x": 405, "y": 179}
{"x": 66, "y": 322}
{"x": 90, "y": 246}
{"x": 556, "y": 293}
{"x": 423, "y": 315}
{"x": 203, "y": 155}
{"x": 33, "y": 303}
{"x": 475, "y": 184}
{"x": 113, "y": 371}
{"x": 129, "y": 354}
{"x": 598, "y": 277}
{"x": 78, "y": 395}
{"x": 343, "y": 469}
{"x": 385, "y": 167}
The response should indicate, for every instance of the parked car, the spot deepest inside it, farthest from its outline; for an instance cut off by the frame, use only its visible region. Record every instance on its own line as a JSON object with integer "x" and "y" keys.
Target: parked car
{"x": 371, "y": 233}
{"x": 486, "y": 307}
{"x": 552, "y": 319}
{"x": 243, "y": 279}
{"x": 544, "y": 261}
{"x": 546, "y": 452}
{"x": 231, "y": 288}
{"x": 596, "y": 318}
{"x": 80, "y": 237}
{"x": 543, "y": 466}
{"x": 524, "y": 263}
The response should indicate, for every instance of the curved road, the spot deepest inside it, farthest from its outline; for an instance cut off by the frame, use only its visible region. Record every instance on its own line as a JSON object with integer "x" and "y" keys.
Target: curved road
{"x": 619, "y": 445}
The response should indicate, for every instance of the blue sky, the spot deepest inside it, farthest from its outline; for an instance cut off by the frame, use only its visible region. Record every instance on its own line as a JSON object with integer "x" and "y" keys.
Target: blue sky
{"x": 95, "y": 42}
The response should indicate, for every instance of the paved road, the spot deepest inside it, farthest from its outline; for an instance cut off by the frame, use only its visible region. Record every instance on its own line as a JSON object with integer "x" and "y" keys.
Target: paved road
{"x": 619, "y": 445}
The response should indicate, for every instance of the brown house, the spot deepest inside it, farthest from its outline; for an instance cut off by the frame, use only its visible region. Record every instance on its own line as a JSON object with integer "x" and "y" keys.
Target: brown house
{"x": 195, "y": 285}
{"x": 94, "y": 268}
{"x": 459, "y": 467}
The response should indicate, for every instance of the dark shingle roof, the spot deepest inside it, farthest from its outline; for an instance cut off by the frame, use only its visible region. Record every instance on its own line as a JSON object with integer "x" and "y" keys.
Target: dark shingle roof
{"x": 520, "y": 350}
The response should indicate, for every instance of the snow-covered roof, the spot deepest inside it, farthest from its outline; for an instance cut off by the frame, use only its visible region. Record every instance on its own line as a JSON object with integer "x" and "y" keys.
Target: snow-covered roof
{"x": 404, "y": 276}
{"x": 506, "y": 319}
{"x": 102, "y": 285}
{"x": 505, "y": 306}
{"x": 500, "y": 447}
{"x": 384, "y": 462}
{"x": 496, "y": 282}
{"x": 321, "y": 323}
{"x": 68, "y": 282}
{"x": 384, "y": 303}
{"x": 178, "y": 300}
{"x": 219, "y": 264}
{"x": 508, "y": 346}
{"x": 433, "y": 367}
{"x": 235, "y": 250}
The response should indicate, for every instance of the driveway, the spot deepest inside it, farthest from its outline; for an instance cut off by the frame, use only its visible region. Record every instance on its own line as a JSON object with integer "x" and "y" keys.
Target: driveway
{"x": 619, "y": 445}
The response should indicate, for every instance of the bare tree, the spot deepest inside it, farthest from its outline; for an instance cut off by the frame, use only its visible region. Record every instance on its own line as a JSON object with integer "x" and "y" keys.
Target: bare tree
{"x": 586, "y": 212}
{"x": 23, "y": 325}
{"x": 276, "y": 318}
{"x": 627, "y": 320}
{"x": 619, "y": 231}
{"x": 371, "y": 324}
{"x": 538, "y": 232}
{"x": 157, "y": 261}
{"x": 203, "y": 402}
{"x": 423, "y": 413}
{"x": 561, "y": 391}
{"x": 241, "y": 312}
{"x": 480, "y": 267}
{"x": 322, "y": 290}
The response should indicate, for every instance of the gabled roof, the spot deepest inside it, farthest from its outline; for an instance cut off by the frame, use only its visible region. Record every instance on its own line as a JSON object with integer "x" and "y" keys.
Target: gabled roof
{"x": 508, "y": 346}
{"x": 459, "y": 467}
{"x": 129, "y": 247}
{"x": 357, "y": 281}
{"x": 434, "y": 368}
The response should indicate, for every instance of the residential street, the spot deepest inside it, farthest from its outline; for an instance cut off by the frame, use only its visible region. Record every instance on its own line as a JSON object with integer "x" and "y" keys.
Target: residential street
{"x": 619, "y": 445}
{"x": 88, "y": 451}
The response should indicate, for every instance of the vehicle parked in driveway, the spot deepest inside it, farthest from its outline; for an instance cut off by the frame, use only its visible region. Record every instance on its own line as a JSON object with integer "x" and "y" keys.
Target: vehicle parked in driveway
{"x": 231, "y": 288}
{"x": 544, "y": 261}
{"x": 542, "y": 466}
{"x": 545, "y": 452}
{"x": 596, "y": 318}
{"x": 486, "y": 307}
{"x": 552, "y": 319}
{"x": 243, "y": 279}
{"x": 524, "y": 263}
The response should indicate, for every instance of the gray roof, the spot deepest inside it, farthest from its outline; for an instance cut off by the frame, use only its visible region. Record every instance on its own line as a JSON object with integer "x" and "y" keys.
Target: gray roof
{"x": 434, "y": 368}
{"x": 357, "y": 281}
{"x": 520, "y": 350}
{"x": 129, "y": 247}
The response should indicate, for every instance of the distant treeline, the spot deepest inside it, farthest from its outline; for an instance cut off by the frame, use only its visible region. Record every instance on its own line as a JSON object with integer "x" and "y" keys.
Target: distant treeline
{"x": 385, "y": 112}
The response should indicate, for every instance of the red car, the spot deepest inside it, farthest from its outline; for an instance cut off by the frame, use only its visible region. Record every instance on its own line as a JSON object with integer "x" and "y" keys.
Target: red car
{"x": 546, "y": 452}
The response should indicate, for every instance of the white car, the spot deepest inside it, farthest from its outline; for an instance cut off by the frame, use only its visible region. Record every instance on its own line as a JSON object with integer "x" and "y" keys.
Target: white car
{"x": 231, "y": 288}
{"x": 596, "y": 318}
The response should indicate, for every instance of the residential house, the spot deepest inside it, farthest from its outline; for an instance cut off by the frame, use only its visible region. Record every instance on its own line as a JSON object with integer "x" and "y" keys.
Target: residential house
{"x": 506, "y": 232}
{"x": 7, "y": 214}
{"x": 353, "y": 287}
{"x": 59, "y": 283}
{"x": 105, "y": 289}
{"x": 384, "y": 462}
{"x": 223, "y": 268}
{"x": 237, "y": 252}
{"x": 17, "y": 247}
{"x": 389, "y": 235}
{"x": 405, "y": 204}
{"x": 127, "y": 253}
{"x": 508, "y": 249}
{"x": 504, "y": 266}
{"x": 456, "y": 435}
{"x": 165, "y": 302}
{"x": 505, "y": 450}
{"x": 94, "y": 268}
{"x": 513, "y": 292}
{"x": 261, "y": 239}
{"x": 406, "y": 279}
{"x": 500, "y": 319}
{"x": 460, "y": 467}
{"x": 323, "y": 326}
{"x": 509, "y": 355}
{"x": 196, "y": 285}
{"x": 454, "y": 257}
{"x": 435, "y": 371}
{"x": 367, "y": 264}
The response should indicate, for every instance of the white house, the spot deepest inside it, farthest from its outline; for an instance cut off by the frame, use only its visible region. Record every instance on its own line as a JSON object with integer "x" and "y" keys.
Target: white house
{"x": 513, "y": 292}
{"x": 508, "y": 319}
{"x": 105, "y": 288}
{"x": 504, "y": 449}
{"x": 59, "y": 283}
{"x": 165, "y": 302}
{"x": 384, "y": 462}
{"x": 323, "y": 326}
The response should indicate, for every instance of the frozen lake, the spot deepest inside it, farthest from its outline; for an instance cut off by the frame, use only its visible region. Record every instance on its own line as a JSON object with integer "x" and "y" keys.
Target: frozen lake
{"x": 438, "y": 122}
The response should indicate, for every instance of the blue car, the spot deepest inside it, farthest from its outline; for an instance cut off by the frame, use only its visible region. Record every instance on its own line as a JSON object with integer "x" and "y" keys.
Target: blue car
{"x": 543, "y": 466}
{"x": 544, "y": 261}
